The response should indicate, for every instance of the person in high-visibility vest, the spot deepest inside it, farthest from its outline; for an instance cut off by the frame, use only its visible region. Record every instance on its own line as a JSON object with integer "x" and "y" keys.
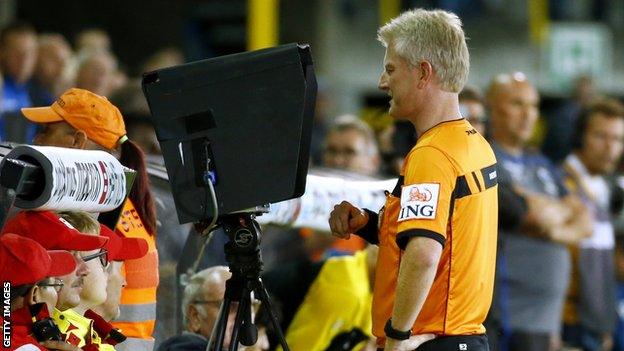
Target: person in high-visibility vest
{"x": 81, "y": 119}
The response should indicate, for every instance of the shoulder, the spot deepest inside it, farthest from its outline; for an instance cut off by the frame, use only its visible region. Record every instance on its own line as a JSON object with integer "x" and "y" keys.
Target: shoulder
{"x": 184, "y": 341}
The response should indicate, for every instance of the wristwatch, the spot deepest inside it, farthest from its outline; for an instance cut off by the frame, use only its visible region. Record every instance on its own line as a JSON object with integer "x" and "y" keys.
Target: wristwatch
{"x": 396, "y": 334}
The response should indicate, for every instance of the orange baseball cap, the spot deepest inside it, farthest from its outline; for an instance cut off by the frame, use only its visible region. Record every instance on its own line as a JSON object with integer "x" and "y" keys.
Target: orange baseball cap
{"x": 86, "y": 111}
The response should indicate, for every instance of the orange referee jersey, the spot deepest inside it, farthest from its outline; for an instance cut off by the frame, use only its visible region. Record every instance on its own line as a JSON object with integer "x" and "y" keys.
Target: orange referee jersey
{"x": 448, "y": 192}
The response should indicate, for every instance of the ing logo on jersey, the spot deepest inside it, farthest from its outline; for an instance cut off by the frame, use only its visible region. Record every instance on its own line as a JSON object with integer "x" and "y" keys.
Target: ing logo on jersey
{"x": 419, "y": 201}
{"x": 416, "y": 194}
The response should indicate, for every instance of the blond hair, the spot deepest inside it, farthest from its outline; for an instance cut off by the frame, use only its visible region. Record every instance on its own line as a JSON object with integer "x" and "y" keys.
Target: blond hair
{"x": 433, "y": 36}
{"x": 82, "y": 221}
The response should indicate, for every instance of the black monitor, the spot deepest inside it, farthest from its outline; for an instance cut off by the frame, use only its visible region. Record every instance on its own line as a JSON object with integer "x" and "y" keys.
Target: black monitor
{"x": 242, "y": 121}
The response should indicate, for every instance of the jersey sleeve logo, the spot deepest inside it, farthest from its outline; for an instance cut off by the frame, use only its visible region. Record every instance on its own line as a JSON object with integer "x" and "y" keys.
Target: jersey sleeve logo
{"x": 419, "y": 201}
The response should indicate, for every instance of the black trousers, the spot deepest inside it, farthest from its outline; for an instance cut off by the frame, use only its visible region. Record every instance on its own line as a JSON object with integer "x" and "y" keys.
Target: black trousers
{"x": 455, "y": 343}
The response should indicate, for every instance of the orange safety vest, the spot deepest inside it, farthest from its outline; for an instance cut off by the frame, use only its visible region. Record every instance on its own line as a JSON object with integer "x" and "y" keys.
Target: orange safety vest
{"x": 138, "y": 297}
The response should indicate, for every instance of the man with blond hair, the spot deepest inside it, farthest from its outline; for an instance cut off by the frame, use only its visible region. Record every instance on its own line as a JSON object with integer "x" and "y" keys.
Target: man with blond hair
{"x": 435, "y": 271}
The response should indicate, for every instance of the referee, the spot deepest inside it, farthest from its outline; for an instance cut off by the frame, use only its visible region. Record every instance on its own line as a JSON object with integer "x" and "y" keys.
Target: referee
{"x": 437, "y": 231}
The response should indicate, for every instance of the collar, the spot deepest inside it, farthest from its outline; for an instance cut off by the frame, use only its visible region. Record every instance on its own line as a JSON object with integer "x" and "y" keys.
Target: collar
{"x": 105, "y": 330}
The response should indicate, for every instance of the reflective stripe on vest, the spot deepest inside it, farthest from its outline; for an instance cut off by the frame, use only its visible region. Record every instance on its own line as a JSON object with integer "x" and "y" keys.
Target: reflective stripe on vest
{"x": 138, "y": 298}
{"x": 136, "y": 313}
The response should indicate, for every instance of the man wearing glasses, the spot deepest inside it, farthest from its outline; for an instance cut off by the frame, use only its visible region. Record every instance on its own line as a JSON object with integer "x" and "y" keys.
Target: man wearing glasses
{"x": 202, "y": 299}
{"x": 54, "y": 233}
{"x": 84, "y": 327}
{"x": 31, "y": 272}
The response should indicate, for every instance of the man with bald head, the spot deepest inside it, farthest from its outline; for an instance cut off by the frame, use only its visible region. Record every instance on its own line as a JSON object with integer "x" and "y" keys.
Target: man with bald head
{"x": 534, "y": 266}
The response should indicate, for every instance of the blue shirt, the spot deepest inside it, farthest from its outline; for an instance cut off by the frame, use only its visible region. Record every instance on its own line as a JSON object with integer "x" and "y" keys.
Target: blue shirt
{"x": 14, "y": 97}
{"x": 618, "y": 337}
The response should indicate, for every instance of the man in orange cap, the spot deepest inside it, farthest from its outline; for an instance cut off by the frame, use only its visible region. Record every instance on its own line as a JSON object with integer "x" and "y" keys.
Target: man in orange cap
{"x": 83, "y": 120}
{"x": 28, "y": 272}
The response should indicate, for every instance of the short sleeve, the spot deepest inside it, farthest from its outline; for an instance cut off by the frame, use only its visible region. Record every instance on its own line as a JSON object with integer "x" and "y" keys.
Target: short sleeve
{"x": 426, "y": 196}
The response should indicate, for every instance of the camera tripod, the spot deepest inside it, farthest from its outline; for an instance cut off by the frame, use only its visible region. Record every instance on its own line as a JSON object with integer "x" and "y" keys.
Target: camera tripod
{"x": 242, "y": 253}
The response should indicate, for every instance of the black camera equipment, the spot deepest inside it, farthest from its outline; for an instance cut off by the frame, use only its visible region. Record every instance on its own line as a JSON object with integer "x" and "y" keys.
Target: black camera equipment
{"x": 237, "y": 129}
{"x": 46, "y": 330}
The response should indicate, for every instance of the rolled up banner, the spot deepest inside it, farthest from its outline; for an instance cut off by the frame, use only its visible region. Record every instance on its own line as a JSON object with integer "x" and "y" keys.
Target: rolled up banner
{"x": 322, "y": 193}
{"x": 85, "y": 180}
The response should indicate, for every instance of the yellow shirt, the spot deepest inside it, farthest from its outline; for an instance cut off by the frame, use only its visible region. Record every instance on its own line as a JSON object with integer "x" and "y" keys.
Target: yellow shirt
{"x": 78, "y": 329}
{"x": 338, "y": 300}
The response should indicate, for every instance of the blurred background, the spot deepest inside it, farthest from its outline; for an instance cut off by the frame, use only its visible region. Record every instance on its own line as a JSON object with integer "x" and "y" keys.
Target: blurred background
{"x": 553, "y": 42}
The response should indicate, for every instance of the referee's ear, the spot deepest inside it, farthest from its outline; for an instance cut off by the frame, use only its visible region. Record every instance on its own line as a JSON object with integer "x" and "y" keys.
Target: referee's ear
{"x": 425, "y": 75}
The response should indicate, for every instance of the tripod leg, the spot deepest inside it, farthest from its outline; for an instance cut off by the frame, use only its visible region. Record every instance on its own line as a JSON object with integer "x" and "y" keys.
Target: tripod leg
{"x": 263, "y": 296}
{"x": 218, "y": 331}
{"x": 240, "y": 311}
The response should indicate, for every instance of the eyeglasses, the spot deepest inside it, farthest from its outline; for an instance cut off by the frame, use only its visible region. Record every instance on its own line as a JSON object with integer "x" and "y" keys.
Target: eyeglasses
{"x": 102, "y": 255}
{"x": 57, "y": 284}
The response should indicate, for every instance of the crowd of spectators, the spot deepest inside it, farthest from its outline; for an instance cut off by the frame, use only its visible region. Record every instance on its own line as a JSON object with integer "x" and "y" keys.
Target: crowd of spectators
{"x": 560, "y": 267}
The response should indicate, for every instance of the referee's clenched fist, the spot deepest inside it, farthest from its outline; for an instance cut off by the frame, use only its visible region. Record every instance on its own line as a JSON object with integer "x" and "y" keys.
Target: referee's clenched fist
{"x": 346, "y": 219}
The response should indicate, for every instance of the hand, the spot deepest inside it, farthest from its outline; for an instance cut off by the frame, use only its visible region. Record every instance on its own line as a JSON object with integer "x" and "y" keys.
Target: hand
{"x": 346, "y": 219}
{"x": 545, "y": 213}
{"x": 407, "y": 345}
{"x": 59, "y": 345}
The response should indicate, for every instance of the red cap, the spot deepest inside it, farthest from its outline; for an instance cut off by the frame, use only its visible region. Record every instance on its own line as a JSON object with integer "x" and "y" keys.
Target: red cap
{"x": 52, "y": 232}
{"x": 121, "y": 248}
{"x": 24, "y": 261}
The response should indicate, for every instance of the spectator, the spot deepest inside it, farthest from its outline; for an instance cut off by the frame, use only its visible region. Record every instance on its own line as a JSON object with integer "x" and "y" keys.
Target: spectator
{"x": 96, "y": 72}
{"x": 560, "y": 123}
{"x": 83, "y": 120}
{"x": 163, "y": 58}
{"x": 18, "y": 56}
{"x": 349, "y": 145}
{"x": 202, "y": 298}
{"x": 81, "y": 327}
{"x": 119, "y": 249}
{"x": 50, "y": 73}
{"x": 590, "y": 307}
{"x": 93, "y": 39}
{"x": 32, "y": 274}
{"x": 530, "y": 304}
{"x": 326, "y": 303}
{"x": 38, "y": 226}
{"x": 471, "y": 107}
